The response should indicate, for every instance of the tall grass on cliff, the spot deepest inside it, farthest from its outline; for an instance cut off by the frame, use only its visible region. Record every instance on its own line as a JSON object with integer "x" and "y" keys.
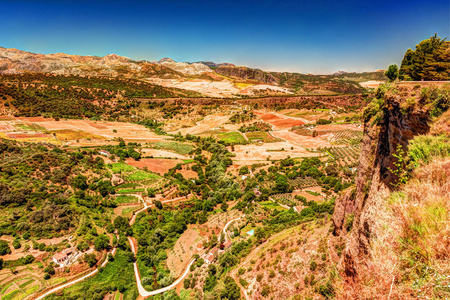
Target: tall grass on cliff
{"x": 410, "y": 250}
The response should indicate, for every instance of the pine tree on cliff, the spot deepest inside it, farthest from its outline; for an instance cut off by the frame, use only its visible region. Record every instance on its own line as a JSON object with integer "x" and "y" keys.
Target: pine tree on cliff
{"x": 430, "y": 61}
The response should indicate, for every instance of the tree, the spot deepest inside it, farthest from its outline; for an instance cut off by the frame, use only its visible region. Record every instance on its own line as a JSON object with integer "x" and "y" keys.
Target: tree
{"x": 158, "y": 204}
{"x": 430, "y": 61}
{"x": 392, "y": 72}
{"x": 4, "y": 248}
{"x": 231, "y": 290}
{"x": 101, "y": 242}
{"x": 134, "y": 154}
{"x": 243, "y": 170}
{"x": 90, "y": 259}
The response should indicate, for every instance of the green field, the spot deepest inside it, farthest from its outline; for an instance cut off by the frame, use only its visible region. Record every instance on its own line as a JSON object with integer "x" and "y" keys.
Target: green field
{"x": 30, "y": 127}
{"x": 262, "y": 136}
{"x": 313, "y": 193}
{"x": 232, "y": 137}
{"x": 126, "y": 199}
{"x": 130, "y": 191}
{"x": 121, "y": 167}
{"x": 272, "y": 205}
{"x": 141, "y": 175}
{"x": 177, "y": 147}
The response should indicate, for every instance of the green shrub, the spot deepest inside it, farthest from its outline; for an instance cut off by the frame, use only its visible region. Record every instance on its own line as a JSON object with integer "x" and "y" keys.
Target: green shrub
{"x": 4, "y": 248}
{"x": 424, "y": 148}
{"x": 312, "y": 265}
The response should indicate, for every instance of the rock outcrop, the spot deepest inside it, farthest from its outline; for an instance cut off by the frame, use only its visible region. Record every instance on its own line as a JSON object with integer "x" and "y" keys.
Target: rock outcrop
{"x": 383, "y": 132}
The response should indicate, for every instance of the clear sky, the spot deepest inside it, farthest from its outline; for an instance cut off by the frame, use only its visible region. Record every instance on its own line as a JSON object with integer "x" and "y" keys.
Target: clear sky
{"x": 314, "y": 36}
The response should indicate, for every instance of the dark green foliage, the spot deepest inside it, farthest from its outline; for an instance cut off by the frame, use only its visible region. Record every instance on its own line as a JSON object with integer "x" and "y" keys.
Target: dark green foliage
{"x": 430, "y": 61}
{"x": 90, "y": 259}
{"x": 243, "y": 170}
{"x": 50, "y": 270}
{"x": 323, "y": 121}
{"x": 231, "y": 290}
{"x": 101, "y": 242}
{"x": 16, "y": 244}
{"x": 392, "y": 72}
{"x": 4, "y": 248}
{"x": 76, "y": 96}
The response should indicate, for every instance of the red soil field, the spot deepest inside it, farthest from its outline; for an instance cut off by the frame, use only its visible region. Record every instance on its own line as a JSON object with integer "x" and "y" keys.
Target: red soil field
{"x": 188, "y": 174}
{"x": 35, "y": 119}
{"x": 6, "y": 128}
{"x": 159, "y": 166}
{"x": 280, "y": 122}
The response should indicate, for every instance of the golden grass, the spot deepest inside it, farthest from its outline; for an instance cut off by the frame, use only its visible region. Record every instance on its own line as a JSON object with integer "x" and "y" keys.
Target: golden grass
{"x": 242, "y": 85}
{"x": 410, "y": 252}
{"x": 70, "y": 135}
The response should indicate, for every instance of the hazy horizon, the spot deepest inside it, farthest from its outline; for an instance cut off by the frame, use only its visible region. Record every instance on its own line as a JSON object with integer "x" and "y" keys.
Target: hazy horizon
{"x": 291, "y": 36}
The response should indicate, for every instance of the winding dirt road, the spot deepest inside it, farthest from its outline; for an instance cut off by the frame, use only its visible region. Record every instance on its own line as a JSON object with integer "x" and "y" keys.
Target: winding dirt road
{"x": 142, "y": 291}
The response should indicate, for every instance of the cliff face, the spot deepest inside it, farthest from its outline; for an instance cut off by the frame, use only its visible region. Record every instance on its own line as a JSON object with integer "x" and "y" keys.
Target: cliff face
{"x": 394, "y": 126}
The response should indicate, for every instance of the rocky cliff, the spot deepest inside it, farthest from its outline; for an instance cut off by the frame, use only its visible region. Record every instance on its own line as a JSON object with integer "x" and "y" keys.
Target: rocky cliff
{"x": 398, "y": 115}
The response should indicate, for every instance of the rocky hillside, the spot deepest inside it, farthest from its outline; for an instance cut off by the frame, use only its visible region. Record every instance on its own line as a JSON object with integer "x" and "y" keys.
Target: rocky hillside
{"x": 396, "y": 235}
{"x": 185, "y": 68}
{"x": 246, "y": 73}
{"x": 13, "y": 61}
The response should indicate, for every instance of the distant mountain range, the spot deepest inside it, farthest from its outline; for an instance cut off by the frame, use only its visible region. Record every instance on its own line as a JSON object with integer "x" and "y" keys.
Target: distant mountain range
{"x": 13, "y": 61}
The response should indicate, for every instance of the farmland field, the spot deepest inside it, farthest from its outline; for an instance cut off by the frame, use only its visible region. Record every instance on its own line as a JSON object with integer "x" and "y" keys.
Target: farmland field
{"x": 126, "y": 199}
{"x": 262, "y": 136}
{"x": 121, "y": 167}
{"x": 159, "y": 166}
{"x": 141, "y": 175}
{"x": 272, "y": 205}
{"x": 177, "y": 147}
{"x": 69, "y": 135}
{"x": 232, "y": 137}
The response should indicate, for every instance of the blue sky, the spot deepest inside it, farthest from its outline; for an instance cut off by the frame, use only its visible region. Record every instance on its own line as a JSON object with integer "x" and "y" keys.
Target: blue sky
{"x": 313, "y": 36}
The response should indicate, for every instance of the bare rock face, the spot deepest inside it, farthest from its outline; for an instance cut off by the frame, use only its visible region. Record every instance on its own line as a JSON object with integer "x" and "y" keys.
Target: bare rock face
{"x": 185, "y": 68}
{"x": 374, "y": 178}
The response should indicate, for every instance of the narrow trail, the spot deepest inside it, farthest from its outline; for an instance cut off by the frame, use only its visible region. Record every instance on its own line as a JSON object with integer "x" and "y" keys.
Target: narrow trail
{"x": 142, "y": 291}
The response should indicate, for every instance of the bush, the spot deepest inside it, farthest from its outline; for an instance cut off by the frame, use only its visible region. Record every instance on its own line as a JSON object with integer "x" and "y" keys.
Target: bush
{"x": 312, "y": 265}
{"x": 265, "y": 291}
{"x": 16, "y": 244}
{"x": 4, "y": 248}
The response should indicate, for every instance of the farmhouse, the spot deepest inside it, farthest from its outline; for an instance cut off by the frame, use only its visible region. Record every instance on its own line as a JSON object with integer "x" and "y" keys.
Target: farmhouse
{"x": 211, "y": 256}
{"x": 104, "y": 153}
{"x": 227, "y": 244}
{"x": 61, "y": 257}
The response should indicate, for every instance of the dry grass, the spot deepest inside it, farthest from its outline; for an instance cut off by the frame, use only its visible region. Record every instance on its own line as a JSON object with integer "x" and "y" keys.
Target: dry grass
{"x": 410, "y": 254}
